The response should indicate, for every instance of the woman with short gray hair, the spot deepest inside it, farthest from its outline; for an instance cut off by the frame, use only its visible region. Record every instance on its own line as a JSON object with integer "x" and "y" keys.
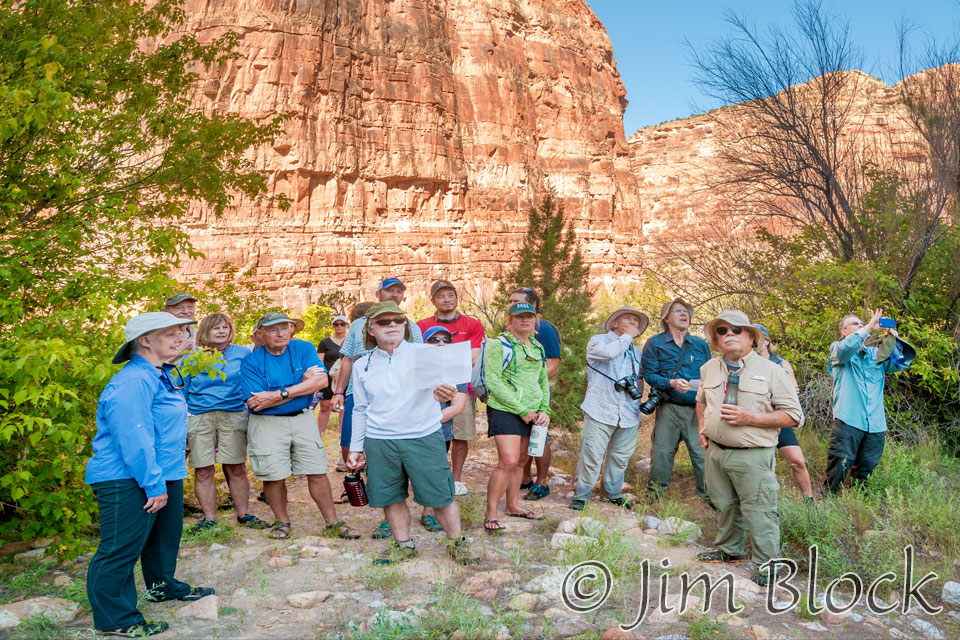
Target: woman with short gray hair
{"x": 136, "y": 474}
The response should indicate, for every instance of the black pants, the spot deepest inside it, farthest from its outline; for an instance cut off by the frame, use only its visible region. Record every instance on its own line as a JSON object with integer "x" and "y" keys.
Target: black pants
{"x": 128, "y": 532}
{"x": 852, "y": 449}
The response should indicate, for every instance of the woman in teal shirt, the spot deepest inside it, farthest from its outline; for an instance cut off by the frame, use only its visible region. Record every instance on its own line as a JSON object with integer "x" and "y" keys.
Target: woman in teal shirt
{"x": 519, "y": 397}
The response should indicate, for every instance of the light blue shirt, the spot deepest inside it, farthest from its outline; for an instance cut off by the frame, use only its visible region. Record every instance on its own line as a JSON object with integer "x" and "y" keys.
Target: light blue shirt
{"x": 353, "y": 344}
{"x": 141, "y": 429}
{"x": 858, "y": 380}
{"x": 616, "y": 357}
{"x": 213, "y": 394}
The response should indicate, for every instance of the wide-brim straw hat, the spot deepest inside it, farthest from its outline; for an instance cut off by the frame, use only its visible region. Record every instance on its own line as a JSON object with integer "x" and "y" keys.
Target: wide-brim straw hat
{"x": 141, "y": 325}
{"x": 735, "y": 319}
{"x": 622, "y": 311}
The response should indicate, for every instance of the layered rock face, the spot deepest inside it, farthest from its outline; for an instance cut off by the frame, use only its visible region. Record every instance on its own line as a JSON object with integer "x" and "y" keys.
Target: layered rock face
{"x": 679, "y": 164}
{"x": 419, "y": 133}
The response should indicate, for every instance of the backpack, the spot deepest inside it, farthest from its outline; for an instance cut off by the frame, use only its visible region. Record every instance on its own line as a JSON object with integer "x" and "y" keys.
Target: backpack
{"x": 476, "y": 376}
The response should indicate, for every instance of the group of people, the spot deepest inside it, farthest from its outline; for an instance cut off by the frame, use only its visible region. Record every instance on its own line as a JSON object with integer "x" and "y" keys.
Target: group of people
{"x": 732, "y": 412}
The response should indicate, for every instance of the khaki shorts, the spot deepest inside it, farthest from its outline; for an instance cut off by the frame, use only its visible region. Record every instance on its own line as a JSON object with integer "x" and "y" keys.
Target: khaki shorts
{"x": 465, "y": 424}
{"x": 217, "y": 436}
{"x": 284, "y": 446}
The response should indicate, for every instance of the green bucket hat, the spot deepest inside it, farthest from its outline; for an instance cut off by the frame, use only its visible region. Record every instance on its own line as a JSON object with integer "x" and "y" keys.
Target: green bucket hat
{"x": 389, "y": 306}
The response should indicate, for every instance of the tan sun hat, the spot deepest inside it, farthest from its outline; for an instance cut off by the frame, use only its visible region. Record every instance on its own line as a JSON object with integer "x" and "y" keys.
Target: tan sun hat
{"x": 665, "y": 311}
{"x": 735, "y": 319}
{"x": 627, "y": 310}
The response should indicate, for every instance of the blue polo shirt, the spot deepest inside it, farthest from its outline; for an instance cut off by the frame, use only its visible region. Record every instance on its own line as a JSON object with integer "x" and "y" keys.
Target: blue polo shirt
{"x": 263, "y": 371}
{"x": 141, "y": 429}
{"x": 213, "y": 394}
{"x": 549, "y": 338}
{"x": 659, "y": 361}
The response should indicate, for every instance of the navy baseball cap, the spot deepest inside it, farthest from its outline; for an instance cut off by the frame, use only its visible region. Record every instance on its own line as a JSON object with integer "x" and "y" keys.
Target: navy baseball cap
{"x": 435, "y": 330}
{"x": 389, "y": 282}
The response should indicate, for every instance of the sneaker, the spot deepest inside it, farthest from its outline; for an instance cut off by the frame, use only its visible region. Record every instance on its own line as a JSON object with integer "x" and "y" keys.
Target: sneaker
{"x": 620, "y": 502}
{"x": 141, "y": 630}
{"x": 459, "y": 550}
{"x": 195, "y": 594}
{"x": 253, "y": 522}
{"x": 460, "y": 489}
{"x": 382, "y": 531}
{"x": 719, "y": 556}
{"x": 396, "y": 553}
{"x": 537, "y": 491}
{"x": 578, "y": 504}
{"x": 201, "y": 526}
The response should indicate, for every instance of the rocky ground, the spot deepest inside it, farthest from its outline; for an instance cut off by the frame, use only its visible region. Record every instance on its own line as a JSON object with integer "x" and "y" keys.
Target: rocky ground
{"x": 315, "y": 587}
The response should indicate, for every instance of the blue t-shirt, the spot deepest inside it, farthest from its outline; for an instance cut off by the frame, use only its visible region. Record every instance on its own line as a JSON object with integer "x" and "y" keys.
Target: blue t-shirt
{"x": 448, "y": 425}
{"x": 205, "y": 394}
{"x": 548, "y": 336}
{"x": 141, "y": 429}
{"x": 263, "y": 371}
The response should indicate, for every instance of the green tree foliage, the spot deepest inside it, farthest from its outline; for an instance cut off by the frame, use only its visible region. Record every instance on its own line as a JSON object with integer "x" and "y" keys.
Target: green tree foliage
{"x": 236, "y": 295}
{"x": 101, "y": 149}
{"x": 550, "y": 262}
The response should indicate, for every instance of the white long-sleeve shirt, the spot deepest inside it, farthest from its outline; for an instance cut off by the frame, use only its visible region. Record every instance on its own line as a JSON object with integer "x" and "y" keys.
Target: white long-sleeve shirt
{"x": 385, "y": 406}
{"x": 615, "y": 356}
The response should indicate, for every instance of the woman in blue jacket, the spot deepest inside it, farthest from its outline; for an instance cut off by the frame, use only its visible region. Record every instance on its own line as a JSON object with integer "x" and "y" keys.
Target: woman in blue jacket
{"x": 136, "y": 474}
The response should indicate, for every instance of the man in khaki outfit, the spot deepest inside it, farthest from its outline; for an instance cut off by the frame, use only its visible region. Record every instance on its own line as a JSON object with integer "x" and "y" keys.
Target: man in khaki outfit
{"x": 738, "y": 434}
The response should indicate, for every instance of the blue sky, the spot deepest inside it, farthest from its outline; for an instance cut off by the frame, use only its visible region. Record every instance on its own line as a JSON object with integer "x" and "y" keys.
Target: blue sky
{"x": 648, "y": 36}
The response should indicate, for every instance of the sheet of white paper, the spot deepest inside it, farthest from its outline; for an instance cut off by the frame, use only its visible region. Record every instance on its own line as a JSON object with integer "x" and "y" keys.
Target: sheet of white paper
{"x": 433, "y": 365}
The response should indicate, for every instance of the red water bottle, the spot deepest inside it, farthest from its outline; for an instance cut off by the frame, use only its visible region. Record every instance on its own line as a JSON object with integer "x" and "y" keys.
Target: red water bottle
{"x": 356, "y": 490}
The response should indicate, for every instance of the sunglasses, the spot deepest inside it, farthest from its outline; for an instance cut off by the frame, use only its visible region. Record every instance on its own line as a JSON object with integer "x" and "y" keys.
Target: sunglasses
{"x": 438, "y": 340}
{"x": 386, "y": 322}
{"x": 339, "y": 324}
{"x": 722, "y": 331}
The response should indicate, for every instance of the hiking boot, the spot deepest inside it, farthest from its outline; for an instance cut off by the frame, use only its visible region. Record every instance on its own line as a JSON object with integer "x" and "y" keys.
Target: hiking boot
{"x": 620, "y": 502}
{"x": 193, "y": 595}
{"x": 396, "y": 553}
{"x": 719, "y": 556}
{"x": 763, "y": 578}
{"x": 459, "y": 550}
{"x": 578, "y": 504}
{"x": 537, "y": 491}
{"x": 382, "y": 531}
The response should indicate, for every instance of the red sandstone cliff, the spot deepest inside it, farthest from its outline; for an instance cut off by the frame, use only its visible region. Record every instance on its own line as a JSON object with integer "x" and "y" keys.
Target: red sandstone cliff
{"x": 420, "y": 132}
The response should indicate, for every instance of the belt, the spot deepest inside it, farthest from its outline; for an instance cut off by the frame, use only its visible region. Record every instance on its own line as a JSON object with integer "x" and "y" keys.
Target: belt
{"x": 288, "y": 415}
{"x": 723, "y": 446}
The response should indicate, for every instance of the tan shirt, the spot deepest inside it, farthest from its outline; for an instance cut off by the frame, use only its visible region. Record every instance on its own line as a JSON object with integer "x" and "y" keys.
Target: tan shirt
{"x": 764, "y": 387}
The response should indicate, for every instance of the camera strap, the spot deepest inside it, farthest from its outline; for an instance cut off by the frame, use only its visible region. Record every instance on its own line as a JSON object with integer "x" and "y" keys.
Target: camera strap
{"x": 683, "y": 352}
{"x": 633, "y": 365}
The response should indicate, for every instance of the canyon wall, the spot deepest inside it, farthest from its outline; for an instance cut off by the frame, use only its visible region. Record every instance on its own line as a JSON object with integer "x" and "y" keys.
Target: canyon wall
{"x": 419, "y": 132}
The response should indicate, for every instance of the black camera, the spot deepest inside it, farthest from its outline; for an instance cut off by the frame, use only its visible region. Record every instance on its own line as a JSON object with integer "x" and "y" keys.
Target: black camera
{"x": 629, "y": 384}
{"x": 653, "y": 401}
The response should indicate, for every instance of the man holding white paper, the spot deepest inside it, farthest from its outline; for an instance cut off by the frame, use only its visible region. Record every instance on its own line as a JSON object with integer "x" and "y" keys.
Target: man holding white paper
{"x": 397, "y": 432}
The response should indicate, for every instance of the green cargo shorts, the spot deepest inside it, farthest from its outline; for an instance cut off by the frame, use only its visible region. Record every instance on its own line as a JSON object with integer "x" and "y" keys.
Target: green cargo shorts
{"x": 421, "y": 461}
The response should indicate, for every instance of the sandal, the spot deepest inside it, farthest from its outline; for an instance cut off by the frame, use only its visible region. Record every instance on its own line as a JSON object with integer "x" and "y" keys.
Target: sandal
{"x": 343, "y": 499}
{"x": 430, "y": 523}
{"x": 140, "y": 630}
{"x": 279, "y": 531}
{"x": 201, "y": 526}
{"x": 252, "y": 521}
{"x": 537, "y": 491}
{"x": 496, "y": 528}
{"x": 529, "y": 515}
{"x": 340, "y": 530}
{"x": 382, "y": 531}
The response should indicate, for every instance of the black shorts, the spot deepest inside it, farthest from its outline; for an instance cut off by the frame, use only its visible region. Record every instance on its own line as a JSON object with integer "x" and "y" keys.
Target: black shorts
{"x": 504, "y": 423}
{"x": 787, "y": 438}
{"x": 326, "y": 393}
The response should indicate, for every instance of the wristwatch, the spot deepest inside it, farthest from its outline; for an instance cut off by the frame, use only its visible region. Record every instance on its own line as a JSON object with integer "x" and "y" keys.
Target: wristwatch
{"x": 284, "y": 394}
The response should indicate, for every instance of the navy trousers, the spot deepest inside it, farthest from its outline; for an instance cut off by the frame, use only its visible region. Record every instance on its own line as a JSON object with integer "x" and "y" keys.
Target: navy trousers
{"x": 129, "y": 533}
